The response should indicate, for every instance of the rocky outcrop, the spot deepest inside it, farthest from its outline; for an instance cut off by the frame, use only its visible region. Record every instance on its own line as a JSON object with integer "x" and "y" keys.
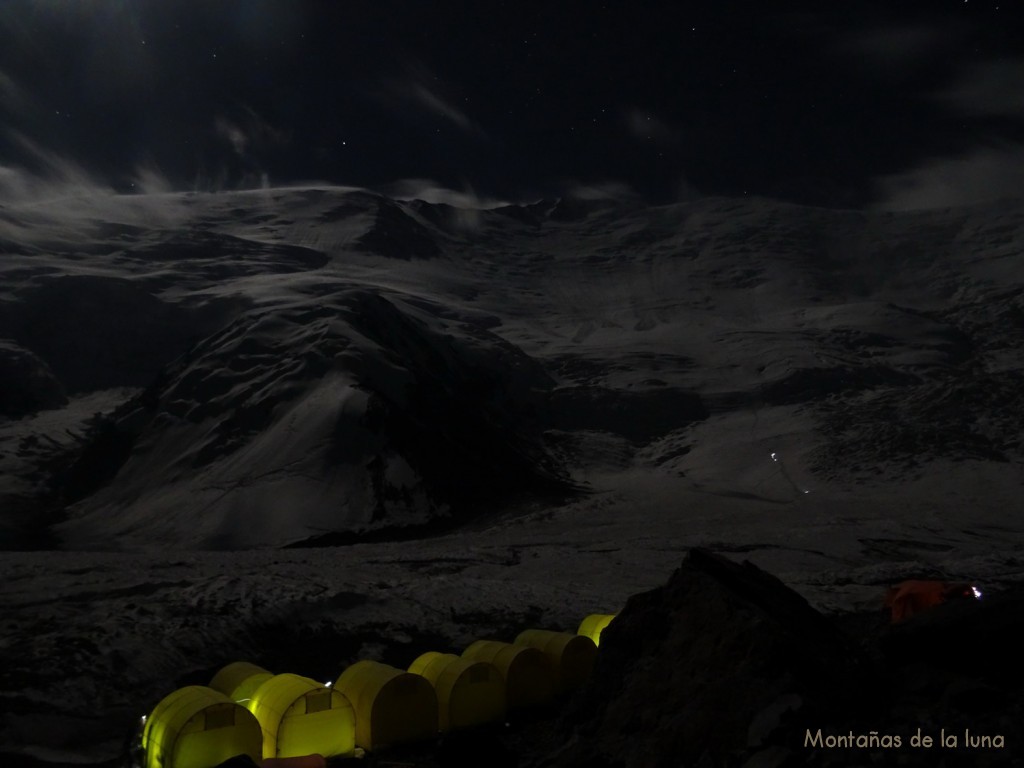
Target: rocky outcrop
{"x": 721, "y": 663}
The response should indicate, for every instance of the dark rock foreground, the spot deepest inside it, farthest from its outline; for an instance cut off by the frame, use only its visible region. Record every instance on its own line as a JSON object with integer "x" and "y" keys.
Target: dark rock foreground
{"x": 726, "y": 666}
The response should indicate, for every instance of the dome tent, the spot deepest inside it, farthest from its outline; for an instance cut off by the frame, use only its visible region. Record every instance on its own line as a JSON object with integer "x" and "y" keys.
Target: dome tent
{"x": 300, "y": 716}
{"x": 239, "y": 680}
{"x": 916, "y": 595}
{"x": 391, "y": 706}
{"x": 571, "y": 656}
{"x": 198, "y": 727}
{"x": 469, "y": 693}
{"x": 593, "y": 625}
{"x": 529, "y": 679}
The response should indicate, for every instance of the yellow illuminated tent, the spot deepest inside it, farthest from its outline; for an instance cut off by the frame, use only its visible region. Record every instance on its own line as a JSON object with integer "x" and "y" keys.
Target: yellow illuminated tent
{"x": 392, "y": 706}
{"x": 594, "y": 625}
{"x": 529, "y": 679}
{"x": 468, "y": 692}
{"x": 239, "y": 680}
{"x": 198, "y": 727}
{"x": 571, "y": 656}
{"x": 300, "y": 716}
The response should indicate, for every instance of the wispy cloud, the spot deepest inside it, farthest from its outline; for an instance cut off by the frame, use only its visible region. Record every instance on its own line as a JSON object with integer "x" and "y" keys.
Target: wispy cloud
{"x": 56, "y": 175}
{"x": 59, "y": 200}
{"x": 248, "y": 137}
{"x": 897, "y": 51}
{"x": 46, "y": 211}
{"x": 231, "y": 133}
{"x": 432, "y": 101}
{"x": 983, "y": 172}
{"x": 148, "y": 180}
{"x": 421, "y": 90}
{"x": 248, "y": 131}
{"x": 12, "y": 97}
{"x": 988, "y": 88}
{"x": 981, "y": 175}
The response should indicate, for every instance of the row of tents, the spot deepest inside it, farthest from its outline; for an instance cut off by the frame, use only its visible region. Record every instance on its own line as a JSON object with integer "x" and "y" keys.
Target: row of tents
{"x": 247, "y": 710}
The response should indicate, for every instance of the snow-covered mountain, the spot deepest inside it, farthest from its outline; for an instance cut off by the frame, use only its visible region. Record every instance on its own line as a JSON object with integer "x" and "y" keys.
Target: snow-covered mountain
{"x": 326, "y": 360}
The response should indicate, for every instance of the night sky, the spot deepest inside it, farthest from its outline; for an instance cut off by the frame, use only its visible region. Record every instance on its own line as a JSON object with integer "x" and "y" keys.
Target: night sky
{"x": 894, "y": 104}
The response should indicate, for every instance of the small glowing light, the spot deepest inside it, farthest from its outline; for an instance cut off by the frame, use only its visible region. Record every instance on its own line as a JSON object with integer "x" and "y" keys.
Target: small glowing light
{"x": 327, "y": 684}
{"x": 774, "y": 457}
{"x": 143, "y": 719}
{"x": 977, "y": 592}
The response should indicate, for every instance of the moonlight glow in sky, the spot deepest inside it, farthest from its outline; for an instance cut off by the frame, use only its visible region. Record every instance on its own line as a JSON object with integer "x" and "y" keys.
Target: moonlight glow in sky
{"x": 902, "y": 104}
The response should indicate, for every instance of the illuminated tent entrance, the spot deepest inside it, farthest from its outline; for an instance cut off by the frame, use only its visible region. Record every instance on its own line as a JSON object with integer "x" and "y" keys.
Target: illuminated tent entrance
{"x": 300, "y": 717}
{"x": 469, "y": 693}
{"x": 529, "y": 679}
{"x": 391, "y": 706}
{"x": 198, "y": 727}
{"x": 570, "y": 656}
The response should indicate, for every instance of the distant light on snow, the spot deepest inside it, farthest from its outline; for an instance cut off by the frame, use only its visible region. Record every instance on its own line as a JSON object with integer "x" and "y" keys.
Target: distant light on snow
{"x": 785, "y": 474}
{"x": 977, "y": 592}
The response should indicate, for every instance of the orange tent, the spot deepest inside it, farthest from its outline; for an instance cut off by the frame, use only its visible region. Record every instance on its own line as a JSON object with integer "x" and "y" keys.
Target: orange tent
{"x": 910, "y": 597}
